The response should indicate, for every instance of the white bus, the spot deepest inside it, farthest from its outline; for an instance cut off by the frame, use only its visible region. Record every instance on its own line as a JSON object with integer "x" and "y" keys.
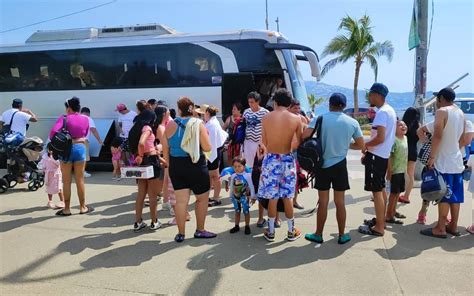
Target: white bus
{"x": 104, "y": 67}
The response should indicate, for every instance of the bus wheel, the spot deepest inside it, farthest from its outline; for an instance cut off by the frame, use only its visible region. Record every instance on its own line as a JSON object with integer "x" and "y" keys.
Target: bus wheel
{"x": 3, "y": 185}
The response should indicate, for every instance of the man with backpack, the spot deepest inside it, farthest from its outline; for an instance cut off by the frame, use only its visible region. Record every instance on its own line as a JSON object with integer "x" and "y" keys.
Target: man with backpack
{"x": 333, "y": 173}
{"x": 16, "y": 119}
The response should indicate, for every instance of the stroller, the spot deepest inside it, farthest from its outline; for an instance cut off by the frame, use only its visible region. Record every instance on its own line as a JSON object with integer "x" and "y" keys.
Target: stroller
{"x": 22, "y": 155}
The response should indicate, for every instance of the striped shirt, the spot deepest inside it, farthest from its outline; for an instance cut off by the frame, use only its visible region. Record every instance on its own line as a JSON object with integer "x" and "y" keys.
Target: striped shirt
{"x": 253, "y": 121}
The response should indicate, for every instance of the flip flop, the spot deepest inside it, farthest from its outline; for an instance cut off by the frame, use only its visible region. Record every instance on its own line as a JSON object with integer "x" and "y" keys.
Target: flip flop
{"x": 400, "y": 216}
{"x": 315, "y": 238}
{"x": 453, "y": 233}
{"x": 62, "y": 214}
{"x": 369, "y": 231}
{"x": 89, "y": 210}
{"x": 429, "y": 232}
{"x": 394, "y": 221}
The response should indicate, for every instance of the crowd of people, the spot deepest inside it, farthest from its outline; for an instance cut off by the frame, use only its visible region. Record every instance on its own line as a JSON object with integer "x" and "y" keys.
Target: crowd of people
{"x": 186, "y": 150}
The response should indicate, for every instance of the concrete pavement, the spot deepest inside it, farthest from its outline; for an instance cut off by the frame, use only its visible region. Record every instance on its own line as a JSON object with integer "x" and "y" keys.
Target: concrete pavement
{"x": 98, "y": 254}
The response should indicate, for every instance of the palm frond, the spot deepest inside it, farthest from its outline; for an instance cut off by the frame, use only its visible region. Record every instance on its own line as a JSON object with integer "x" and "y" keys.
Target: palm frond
{"x": 331, "y": 64}
{"x": 348, "y": 23}
{"x": 338, "y": 45}
{"x": 381, "y": 49}
{"x": 373, "y": 64}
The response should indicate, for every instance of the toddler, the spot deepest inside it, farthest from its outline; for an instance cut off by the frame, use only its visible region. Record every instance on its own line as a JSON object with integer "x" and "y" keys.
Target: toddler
{"x": 116, "y": 157}
{"x": 52, "y": 178}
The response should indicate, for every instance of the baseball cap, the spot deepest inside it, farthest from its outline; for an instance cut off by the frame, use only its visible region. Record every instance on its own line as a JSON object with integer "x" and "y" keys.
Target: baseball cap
{"x": 338, "y": 99}
{"x": 18, "y": 101}
{"x": 447, "y": 93}
{"x": 121, "y": 107}
{"x": 380, "y": 89}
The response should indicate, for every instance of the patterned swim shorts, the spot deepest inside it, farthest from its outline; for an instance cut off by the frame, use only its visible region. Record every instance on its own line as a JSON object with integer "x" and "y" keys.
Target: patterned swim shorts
{"x": 278, "y": 179}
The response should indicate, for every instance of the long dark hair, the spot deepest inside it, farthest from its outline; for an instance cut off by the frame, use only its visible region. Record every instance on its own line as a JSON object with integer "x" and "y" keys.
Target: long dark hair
{"x": 411, "y": 117}
{"x": 160, "y": 112}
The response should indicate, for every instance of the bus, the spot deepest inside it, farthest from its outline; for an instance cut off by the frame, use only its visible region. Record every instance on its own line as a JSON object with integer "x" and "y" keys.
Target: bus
{"x": 107, "y": 66}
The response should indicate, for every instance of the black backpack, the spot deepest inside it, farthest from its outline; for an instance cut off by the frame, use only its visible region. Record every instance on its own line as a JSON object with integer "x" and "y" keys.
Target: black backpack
{"x": 310, "y": 152}
{"x": 6, "y": 128}
{"x": 61, "y": 142}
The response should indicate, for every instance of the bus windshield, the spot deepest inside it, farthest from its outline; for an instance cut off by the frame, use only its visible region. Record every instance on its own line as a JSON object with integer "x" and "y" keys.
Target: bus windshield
{"x": 296, "y": 79}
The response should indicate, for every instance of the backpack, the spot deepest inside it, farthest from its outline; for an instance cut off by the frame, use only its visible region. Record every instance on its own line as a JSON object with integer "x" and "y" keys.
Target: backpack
{"x": 6, "y": 128}
{"x": 310, "y": 152}
{"x": 61, "y": 142}
{"x": 433, "y": 187}
{"x": 238, "y": 132}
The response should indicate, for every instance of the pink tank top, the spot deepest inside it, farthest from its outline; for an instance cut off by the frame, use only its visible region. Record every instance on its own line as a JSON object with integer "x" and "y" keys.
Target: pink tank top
{"x": 150, "y": 141}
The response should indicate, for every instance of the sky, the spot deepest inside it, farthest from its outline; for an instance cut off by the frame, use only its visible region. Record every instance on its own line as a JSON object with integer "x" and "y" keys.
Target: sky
{"x": 308, "y": 22}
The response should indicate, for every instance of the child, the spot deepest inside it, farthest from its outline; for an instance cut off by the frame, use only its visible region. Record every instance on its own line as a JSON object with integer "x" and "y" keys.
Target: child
{"x": 116, "y": 157}
{"x": 242, "y": 193}
{"x": 397, "y": 168}
{"x": 52, "y": 178}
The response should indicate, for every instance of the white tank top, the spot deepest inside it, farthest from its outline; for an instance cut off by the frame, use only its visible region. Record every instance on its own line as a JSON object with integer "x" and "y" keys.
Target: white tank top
{"x": 449, "y": 159}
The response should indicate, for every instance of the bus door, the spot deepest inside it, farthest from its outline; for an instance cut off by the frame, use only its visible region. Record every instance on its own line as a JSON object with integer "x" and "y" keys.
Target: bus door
{"x": 235, "y": 88}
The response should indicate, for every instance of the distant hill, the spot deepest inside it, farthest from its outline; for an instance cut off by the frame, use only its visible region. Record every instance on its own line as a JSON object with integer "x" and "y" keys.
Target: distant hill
{"x": 400, "y": 101}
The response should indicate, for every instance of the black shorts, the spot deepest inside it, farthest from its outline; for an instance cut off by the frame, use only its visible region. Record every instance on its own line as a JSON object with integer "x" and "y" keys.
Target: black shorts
{"x": 335, "y": 177}
{"x": 215, "y": 164}
{"x": 154, "y": 161}
{"x": 375, "y": 171}
{"x": 185, "y": 174}
{"x": 397, "y": 183}
{"x": 412, "y": 152}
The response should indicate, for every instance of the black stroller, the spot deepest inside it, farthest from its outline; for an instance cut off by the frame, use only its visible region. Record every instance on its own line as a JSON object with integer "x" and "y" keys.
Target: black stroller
{"x": 22, "y": 155}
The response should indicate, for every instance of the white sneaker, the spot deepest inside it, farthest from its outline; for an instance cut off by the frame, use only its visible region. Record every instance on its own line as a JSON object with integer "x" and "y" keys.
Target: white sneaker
{"x": 166, "y": 206}
{"x": 87, "y": 175}
{"x": 155, "y": 226}
{"x": 139, "y": 226}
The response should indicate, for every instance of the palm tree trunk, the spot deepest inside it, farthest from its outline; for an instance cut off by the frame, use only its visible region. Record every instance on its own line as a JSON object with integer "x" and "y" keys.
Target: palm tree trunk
{"x": 356, "y": 82}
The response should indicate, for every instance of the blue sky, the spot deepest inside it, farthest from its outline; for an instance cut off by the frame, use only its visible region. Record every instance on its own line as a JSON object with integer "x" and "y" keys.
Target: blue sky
{"x": 309, "y": 22}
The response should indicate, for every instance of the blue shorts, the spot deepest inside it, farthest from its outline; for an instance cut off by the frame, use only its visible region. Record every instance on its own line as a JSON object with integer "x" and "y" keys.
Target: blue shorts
{"x": 278, "y": 178}
{"x": 240, "y": 204}
{"x": 78, "y": 153}
{"x": 455, "y": 188}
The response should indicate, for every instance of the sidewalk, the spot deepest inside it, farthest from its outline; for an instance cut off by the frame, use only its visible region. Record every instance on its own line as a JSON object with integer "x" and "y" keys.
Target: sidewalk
{"x": 99, "y": 253}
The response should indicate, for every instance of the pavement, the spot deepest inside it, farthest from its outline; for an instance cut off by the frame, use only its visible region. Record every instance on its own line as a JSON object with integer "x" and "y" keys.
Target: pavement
{"x": 99, "y": 254}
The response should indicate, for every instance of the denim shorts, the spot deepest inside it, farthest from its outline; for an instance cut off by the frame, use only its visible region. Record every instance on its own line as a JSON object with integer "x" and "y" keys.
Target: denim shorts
{"x": 78, "y": 153}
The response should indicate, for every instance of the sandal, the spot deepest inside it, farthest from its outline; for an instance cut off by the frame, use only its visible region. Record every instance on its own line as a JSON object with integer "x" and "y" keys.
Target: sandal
{"x": 179, "y": 238}
{"x": 345, "y": 238}
{"x": 62, "y": 214}
{"x": 429, "y": 232}
{"x": 262, "y": 224}
{"x": 421, "y": 218}
{"x": 214, "y": 203}
{"x": 370, "y": 223}
{"x": 453, "y": 233}
{"x": 365, "y": 229}
{"x": 394, "y": 221}
{"x": 399, "y": 216}
{"x": 89, "y": 210}
{"x": 315, "y": 238}
{"x": 402, "y": 199}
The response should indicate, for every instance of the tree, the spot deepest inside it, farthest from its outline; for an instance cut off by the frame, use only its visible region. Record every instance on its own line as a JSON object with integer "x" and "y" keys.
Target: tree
{"x": 313, "y": 101}
{"x": 356, "y": 43}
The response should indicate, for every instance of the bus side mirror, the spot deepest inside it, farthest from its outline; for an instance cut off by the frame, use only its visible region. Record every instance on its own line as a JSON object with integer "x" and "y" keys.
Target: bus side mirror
{"x": 314, "y": 64}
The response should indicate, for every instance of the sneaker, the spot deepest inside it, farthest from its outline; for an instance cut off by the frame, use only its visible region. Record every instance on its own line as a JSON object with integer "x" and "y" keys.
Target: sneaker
{"x": 172, "y": 221}
{"x": 166, "y": 206}
{"x": 155, "y": 226}
{"x": 51, "y": 205}
{"x": 247, "y": 230}
{"x": 179, "y": 238}
{"x": 421, "y": 218}
{"x": 235, "y": 229}
{"x": 87, "y": 175}
{"x": 269, "y": 236}
{"x": 139, "y": 226}
{"x": 294, "y": 235}
{"x": 204, "y": 234}
{"x": 147, "y": 202}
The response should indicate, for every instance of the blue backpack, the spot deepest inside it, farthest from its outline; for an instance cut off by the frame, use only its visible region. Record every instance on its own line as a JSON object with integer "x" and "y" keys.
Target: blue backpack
{"x": 433, "y": 187}
{"x": 238, "y": 132}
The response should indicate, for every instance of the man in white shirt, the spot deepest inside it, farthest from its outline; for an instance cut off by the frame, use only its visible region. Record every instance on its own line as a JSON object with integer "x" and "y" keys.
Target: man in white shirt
{"x": 92, "y": 130}
{"x": 125, "y": 119}
{"x": 376, "y": 157}
{"x": 21, "y": 116}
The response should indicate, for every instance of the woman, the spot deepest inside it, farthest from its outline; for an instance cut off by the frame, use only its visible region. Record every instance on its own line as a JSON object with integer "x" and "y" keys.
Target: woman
{"x": 162, "y": 119}
{"x": 78, "y": 127}
{"x": 185, "y": 174}
{"x": 233, "y": 150}
{"x": 218, "y": 137}
{"x": 412, "y": 120}
{"x": 147, "y": 155}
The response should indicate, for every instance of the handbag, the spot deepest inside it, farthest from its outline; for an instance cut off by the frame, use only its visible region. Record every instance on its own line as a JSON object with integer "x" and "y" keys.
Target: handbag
{"x": 433, "y": 187}
{"x": 425, "y": 150}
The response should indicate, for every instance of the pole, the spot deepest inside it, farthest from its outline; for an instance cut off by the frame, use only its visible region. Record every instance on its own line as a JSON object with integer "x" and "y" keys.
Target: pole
{"x": 266, "y": 14}
{"x": 421, "y": 55}
{"x": 278, "y": 24}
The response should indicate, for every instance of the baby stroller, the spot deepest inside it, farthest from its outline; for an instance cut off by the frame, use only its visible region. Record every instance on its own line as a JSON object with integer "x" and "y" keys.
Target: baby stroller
{"x": 22, "y": 156}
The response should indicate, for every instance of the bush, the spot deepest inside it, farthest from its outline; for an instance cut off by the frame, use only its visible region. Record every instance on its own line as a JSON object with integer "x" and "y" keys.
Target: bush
{"x": 362, "y": 120}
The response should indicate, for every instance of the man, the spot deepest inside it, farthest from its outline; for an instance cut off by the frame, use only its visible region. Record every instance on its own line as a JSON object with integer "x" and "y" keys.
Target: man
{"x": 92, "y": 130}
{"x": 334, "y": 170}
{"x": 253, "y": 131}
{"x": 21, "y": 117}
{"x": 125, "y": 121}
{"x": 376, "y": 157}
{"x": 278, "y": 178}
{"x": 446, "y": 157}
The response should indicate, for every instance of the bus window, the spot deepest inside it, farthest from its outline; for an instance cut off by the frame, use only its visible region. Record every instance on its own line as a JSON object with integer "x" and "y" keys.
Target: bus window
{"x": 297, "y": 83}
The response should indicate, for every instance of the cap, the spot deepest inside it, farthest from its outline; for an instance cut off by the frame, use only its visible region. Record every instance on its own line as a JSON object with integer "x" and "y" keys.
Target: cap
{"x": 447, "y": 93}
{"x": 17, "y": 102}
{"x": 338, "y": 99}
{"x": 121, "y": 107}
{"x": 380, "y": 89}
{"x": 201, "y": 109}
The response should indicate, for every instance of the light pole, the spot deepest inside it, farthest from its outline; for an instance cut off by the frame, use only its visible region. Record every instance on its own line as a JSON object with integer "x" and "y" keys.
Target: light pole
{"x": 278, "y": 24}
{"x": 266, "y": 14}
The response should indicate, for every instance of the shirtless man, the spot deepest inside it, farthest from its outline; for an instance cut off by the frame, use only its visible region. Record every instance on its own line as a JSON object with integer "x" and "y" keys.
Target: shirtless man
{"x": 278, "y": 179}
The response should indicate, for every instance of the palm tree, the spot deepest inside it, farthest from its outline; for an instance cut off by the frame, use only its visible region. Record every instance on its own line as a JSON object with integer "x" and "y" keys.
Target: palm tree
{"x": 359, "y": 44}
{"x": 313, "y": 101}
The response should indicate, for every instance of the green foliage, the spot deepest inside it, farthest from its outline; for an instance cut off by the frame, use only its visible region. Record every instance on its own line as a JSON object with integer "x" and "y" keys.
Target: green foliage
{"x": 362, "y": 120}
{"x": 313, "y": 101}
{"x": 356, "y": 43}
